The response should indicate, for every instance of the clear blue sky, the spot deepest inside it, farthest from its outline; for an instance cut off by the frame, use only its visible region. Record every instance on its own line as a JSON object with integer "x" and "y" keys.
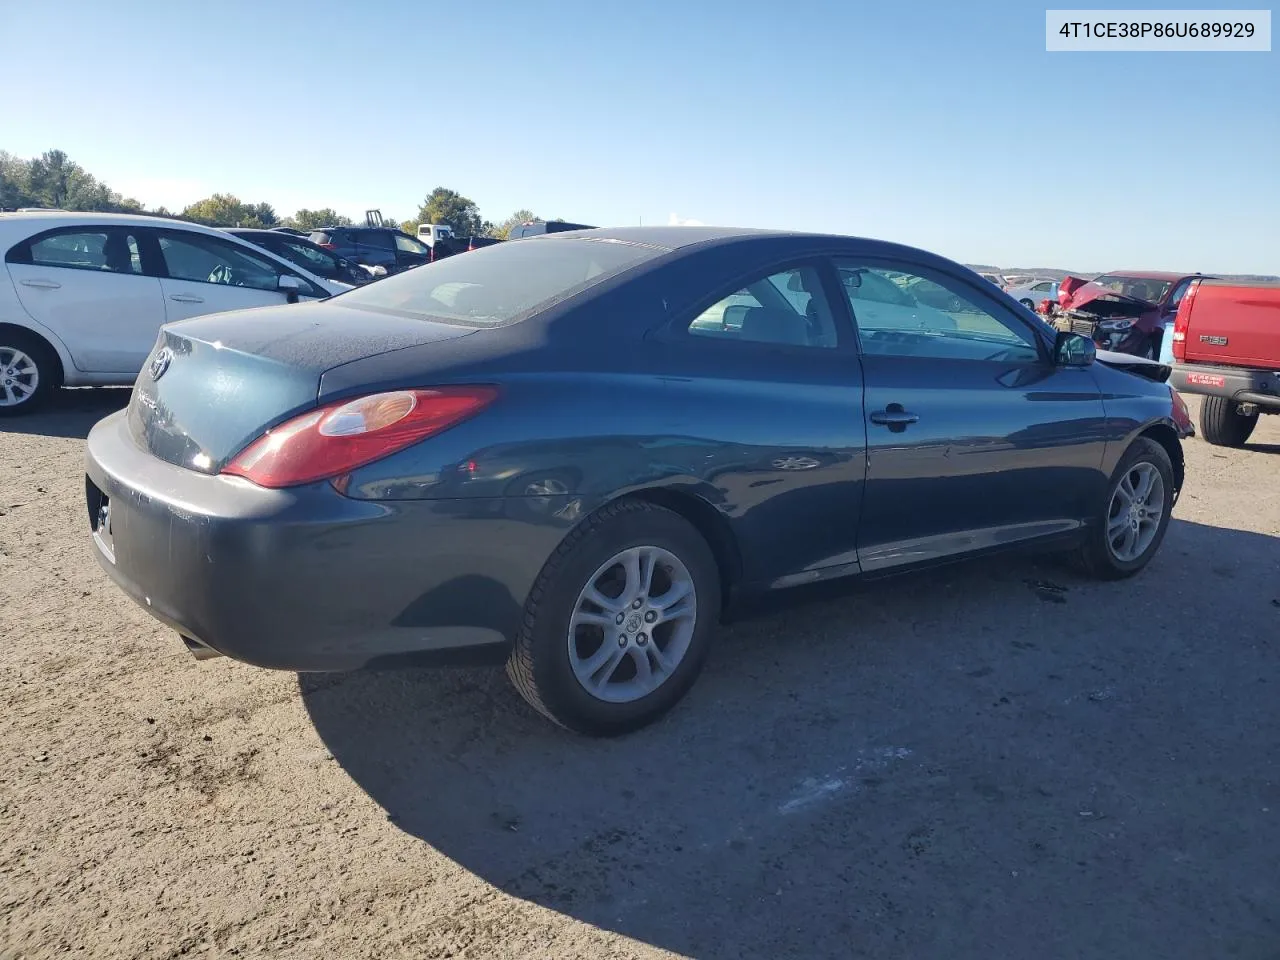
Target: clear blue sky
{"x": 945, "y": 125}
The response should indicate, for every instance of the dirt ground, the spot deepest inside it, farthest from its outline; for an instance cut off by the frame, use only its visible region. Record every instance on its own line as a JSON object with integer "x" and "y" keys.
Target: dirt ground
{"x": 996, "y": 760}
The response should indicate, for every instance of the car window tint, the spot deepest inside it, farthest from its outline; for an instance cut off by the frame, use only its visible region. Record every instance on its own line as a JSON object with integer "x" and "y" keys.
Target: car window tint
{"x": 499, "y": 284}
{"x": 1042, "y": 287}
{"x": 409, "y": 245}
{"x": 784, "y": 308}
{"x": 929, "y": 317}
{"x": 375, "y": 238}
{"x": 191, "y": 256}
{"x": 104, "y": 249}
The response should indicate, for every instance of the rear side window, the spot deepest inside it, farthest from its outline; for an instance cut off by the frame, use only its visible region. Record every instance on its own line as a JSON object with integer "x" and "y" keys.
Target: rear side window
{"x": 376, "y": 238}
{"x": 502, "y": 283}
{"x": 101, "y": 249}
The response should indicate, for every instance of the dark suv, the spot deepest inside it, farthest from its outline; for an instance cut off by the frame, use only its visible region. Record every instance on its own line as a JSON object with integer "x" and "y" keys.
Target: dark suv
{"x": 373, "y": 246}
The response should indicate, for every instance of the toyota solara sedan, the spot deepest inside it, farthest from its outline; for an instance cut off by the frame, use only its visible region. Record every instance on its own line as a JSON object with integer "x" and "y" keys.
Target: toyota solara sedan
{"x": 578, "y": 450}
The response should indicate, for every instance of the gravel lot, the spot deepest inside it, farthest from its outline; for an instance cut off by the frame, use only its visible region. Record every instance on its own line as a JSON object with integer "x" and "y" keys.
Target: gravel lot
{"x": 996, "y": 760}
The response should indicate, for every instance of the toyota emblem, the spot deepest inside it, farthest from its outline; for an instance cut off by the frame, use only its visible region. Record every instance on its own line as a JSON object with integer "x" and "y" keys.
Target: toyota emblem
{"x": 160, "y": 363}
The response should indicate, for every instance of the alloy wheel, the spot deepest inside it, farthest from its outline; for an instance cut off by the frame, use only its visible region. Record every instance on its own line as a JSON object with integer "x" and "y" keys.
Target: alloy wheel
{"x": 632, "y": 624}
{"x": 1136, "y": 509}
{"x": 19, "y": 377}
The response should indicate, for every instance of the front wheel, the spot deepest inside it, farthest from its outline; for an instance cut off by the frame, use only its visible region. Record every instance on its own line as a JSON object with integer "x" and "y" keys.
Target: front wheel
{"x": 1127, "y": 534}
{"x": 619, "y": 623}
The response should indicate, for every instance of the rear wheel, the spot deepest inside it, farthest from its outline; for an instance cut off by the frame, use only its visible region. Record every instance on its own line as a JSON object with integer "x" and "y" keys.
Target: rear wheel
{"x": 1132, "y": 524}
{"x": 1028, "y": 303}
{"x": 618, "y": 625}
{"x": 1223, "y": 425}
{"x": 28, "y": 372}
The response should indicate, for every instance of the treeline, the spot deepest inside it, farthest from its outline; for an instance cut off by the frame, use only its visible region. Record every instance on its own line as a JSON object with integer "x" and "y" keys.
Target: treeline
{"x": 54, "y": 180}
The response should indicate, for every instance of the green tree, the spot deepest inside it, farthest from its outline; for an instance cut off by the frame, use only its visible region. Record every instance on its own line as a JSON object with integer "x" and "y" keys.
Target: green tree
{"x": 265, "y": 214}
{"x": 226, "y": 210}
{"x": 309, "y": 220}
{"x": 503, "y": 230}
{"x": 449, "y": 206}
{"x": 49, "y": 177}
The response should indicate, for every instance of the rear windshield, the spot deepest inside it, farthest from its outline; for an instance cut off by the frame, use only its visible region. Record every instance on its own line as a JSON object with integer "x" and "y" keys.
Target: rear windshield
{"x": 500, "y": 283}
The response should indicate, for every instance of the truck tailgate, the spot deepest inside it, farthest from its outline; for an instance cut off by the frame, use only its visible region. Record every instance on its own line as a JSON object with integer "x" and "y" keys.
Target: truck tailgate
{"x": 1233, "y": 323}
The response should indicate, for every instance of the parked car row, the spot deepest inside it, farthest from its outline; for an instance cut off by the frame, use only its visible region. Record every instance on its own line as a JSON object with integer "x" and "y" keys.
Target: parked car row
{"x": 86, "y": 293}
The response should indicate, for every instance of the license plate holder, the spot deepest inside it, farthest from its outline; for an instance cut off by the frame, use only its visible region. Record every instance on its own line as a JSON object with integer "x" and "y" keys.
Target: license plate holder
{"x": 99, "y": 505}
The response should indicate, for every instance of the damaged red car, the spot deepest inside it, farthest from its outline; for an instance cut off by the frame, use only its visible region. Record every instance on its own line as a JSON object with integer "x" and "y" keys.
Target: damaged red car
{"x": 1127, "y": 312}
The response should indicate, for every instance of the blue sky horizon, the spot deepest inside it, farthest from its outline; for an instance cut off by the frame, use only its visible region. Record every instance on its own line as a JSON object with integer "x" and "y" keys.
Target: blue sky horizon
{"x": 944, "y": 127}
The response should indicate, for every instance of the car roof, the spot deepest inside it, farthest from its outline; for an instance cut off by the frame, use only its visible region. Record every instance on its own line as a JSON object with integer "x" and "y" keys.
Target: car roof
{"x": 47, "y": 219}
{"x": 671, "y": 238}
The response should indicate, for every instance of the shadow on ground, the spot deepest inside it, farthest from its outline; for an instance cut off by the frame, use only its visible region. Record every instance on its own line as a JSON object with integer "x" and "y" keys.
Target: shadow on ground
{"x": 994, "y": 759}
{"x": 69, "y": 413}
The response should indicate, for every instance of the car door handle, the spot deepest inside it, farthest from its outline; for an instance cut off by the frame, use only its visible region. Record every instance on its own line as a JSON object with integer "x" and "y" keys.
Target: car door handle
{"x": 186, "y": 298}
{"x": 894, "y": 416}
{"x": 41, "y": 284}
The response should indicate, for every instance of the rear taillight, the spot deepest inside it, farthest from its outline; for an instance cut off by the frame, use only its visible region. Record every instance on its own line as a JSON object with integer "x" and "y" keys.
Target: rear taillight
{"x": 333, "y": 440}
{"x": 1182, "y": 321}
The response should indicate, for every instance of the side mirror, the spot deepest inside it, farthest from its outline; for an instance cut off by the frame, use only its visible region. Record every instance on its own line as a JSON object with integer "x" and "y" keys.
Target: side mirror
{"x": 291, "y": 287}
{"x": 1073, "y": 350}
{"x": 379, "y": 271}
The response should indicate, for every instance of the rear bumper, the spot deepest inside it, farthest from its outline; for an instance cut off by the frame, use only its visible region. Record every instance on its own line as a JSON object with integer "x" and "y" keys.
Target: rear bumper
{"x": 1241, "y": 384}
{"x": 307, "y": 579}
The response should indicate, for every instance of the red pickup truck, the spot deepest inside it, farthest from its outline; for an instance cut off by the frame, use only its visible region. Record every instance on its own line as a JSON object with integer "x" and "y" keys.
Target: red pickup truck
{"x": 1226, "y": 346}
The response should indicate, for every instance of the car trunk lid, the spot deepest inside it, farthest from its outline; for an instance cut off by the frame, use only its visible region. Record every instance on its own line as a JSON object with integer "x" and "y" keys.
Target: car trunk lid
{"x": 213, "y": 384}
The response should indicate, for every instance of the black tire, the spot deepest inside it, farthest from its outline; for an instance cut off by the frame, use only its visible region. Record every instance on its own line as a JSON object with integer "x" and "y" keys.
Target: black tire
{"x": 1096, "y": 556}
{"x": 1222, "y": 426}
{"x": 539, "y": 664}
{"x": 1028, "y": 303}
{"x": 47, "y": 377}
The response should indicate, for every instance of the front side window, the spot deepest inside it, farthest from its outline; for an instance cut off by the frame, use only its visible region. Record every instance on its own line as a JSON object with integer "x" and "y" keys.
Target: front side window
{"x": 406, "y": 244}
{"x": 901, "y": 313}
{"x": 100, "y": 249}
{"x": 787, "y": 308}
{"x": 499, "y": 284}
{"x": 1178, "y": 294}
{"x": 1044, "y": 286}
{"x": 309, "y": 258}
{"x": 203, "y": 259}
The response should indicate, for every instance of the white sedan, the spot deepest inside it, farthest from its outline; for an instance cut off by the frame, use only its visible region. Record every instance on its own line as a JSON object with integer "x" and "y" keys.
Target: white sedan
{"x": 86, "y": 294}
{"x": 1030, "y": 294}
